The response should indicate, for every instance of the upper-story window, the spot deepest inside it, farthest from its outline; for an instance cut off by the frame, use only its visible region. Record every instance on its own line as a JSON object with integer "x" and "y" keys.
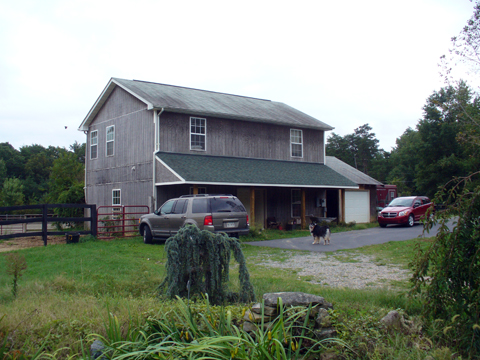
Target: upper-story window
{"x": 94, "y": 144}
{"x": 296, "y": 143}
{"x": 198, "y": 131}
{"x": 110, "y": 140}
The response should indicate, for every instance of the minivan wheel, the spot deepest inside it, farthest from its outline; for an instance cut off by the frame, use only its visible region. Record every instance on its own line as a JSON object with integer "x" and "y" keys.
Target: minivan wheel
{"x": 411, "y": 221}
{"x": 147, "y": 235}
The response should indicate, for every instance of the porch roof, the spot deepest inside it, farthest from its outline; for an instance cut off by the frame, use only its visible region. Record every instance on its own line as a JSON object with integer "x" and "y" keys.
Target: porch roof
{"x": 223, "y": 170}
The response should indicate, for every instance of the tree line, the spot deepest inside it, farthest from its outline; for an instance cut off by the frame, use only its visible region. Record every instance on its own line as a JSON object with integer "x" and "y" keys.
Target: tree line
{"x": 443, "y": 145}
{"x": 37, "y": 175}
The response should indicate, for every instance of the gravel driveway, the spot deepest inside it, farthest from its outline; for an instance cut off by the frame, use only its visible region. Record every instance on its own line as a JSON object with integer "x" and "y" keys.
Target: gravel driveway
{"x": 339, "y": 270}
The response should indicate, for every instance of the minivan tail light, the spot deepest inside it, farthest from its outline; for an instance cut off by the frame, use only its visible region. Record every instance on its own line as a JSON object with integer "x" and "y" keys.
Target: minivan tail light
{"x": 208, "y": 220}
{"x": 248, "y": 222}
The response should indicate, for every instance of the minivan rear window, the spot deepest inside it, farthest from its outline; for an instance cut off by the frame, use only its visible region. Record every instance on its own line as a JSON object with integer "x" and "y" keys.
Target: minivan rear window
{"x": 226, "y": 205}
{"x": 200, "y": 206}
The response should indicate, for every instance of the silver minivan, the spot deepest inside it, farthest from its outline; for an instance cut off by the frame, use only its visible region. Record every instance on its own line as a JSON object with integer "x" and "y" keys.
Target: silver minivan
{"x": 215, "y": 213}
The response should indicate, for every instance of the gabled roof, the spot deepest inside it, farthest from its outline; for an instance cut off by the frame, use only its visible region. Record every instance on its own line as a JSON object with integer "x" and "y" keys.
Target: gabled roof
{"x": 206, "y": 103}
{"x": 350, "y": 172}
{"x": 224, "y": 170}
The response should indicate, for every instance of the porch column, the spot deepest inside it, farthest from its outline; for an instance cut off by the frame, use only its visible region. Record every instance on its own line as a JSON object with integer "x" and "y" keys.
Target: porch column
{"x": 302, "y": 211}
{"x": 195, "y": 189}
{"x": 341, "y": 205}
{"x": 252, "y": 206}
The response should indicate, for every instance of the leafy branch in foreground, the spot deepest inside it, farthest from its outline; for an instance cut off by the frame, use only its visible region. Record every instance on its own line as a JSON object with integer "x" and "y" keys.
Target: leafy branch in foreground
{"x": 447, "y": 274}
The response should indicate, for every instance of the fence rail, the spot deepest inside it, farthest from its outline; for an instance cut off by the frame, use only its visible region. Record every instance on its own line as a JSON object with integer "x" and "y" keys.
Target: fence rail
{"x": 44, "y": 219}
{"x": 118, "y": 220}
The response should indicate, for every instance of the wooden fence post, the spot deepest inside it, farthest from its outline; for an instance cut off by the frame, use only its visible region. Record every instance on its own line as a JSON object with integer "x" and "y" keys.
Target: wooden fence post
{"x": 44, "y": 224}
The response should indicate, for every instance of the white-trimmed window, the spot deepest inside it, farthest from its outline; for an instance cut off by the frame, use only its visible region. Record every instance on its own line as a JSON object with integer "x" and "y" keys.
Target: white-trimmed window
{"x": 111, "y": 140}
{"x": 198, "y": 132}
{"x": 296, "y": 203}
{"x": 94, "y": 144}
{"x": 296, "y": 143}
{"x": 116, "y": 197}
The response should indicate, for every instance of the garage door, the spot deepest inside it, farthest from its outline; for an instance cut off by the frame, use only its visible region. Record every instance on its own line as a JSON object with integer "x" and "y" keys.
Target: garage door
{"x": 357, "y": 206}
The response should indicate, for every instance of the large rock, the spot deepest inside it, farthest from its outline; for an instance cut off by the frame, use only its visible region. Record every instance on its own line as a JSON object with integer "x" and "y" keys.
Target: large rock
{"x": 296, "y": 299}
{"x": 393, "y": 320}
{"x": 96, "y": 350}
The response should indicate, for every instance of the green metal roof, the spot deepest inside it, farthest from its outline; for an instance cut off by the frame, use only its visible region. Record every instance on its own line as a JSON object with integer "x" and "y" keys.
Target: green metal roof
{"x": 207, "y": 169}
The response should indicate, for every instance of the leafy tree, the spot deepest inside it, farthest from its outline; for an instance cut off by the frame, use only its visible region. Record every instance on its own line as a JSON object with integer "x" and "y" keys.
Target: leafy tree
{"x": 359, "y": 149}
{"x": 79, "y": 150}
{"x": 3, "y": 172}
{"x": 66, "y": 173}
{"x": 13, "y": 160}
{"x": 12, "y": 193}
{"x": 447, "y": 274}
{"x": 405, "y": 158}
{"x": 442, "y": 155}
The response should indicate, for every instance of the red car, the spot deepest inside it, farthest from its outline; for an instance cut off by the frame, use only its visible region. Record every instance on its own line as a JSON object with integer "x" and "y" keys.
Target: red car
{"x": 404, "y": 210}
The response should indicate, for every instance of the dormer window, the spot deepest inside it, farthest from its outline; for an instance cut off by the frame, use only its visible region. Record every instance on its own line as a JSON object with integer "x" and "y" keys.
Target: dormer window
{"x": 198, "y": 131}
{"x": 296, "y": 143}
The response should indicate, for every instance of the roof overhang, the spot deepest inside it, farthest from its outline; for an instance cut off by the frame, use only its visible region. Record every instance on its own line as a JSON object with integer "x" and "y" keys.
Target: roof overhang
{"x": 112, "y": 84}
{"x": 223, "y": 170}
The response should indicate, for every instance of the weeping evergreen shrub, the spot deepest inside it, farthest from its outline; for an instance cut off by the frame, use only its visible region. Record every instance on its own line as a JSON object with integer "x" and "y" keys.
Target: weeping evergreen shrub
{"x": 198, "y": 263}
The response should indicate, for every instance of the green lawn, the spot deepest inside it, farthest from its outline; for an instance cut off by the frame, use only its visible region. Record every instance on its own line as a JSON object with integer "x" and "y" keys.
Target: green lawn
{"x": 68, "y": 291}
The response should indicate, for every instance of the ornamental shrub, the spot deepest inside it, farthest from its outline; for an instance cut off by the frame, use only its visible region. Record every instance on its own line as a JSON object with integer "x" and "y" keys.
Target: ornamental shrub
{"x": 198, "y": 262}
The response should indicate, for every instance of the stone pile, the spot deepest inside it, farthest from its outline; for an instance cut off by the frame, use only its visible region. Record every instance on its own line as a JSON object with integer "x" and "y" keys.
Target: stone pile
{"x": 319, "y": 312}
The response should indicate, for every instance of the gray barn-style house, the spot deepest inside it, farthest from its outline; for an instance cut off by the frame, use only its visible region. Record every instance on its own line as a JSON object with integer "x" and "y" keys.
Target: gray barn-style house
{"x": 149, "y": 142}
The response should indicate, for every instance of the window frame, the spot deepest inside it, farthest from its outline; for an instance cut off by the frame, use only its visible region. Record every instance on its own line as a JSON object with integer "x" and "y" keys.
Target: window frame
{"x": 92, "y": 145}
{"x": 110, "y": 141}
{"x": 119, "y": 197}
{"x": 292, "y": 143}
{"x": 194, "y": 118}
{"x": 299, "y": 203}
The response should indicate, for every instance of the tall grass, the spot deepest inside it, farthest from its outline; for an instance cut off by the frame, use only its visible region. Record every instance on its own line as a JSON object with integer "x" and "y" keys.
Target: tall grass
{"x": 108, "y": 288}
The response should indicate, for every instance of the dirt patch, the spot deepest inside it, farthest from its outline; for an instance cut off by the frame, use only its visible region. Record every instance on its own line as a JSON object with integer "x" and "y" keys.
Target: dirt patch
{"x": 28, "y": 242}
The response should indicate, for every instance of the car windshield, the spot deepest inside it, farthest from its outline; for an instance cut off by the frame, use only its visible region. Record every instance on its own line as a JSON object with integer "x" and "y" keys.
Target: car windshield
{"x": 400, "y": 202}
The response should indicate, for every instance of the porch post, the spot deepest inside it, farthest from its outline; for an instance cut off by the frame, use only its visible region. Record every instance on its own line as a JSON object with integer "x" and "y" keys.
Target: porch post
{"x": 195, "y": 189}
{"x": 341, "y": 205}
{"x": 252, "y": 206}
{"x": 302, "y": 211}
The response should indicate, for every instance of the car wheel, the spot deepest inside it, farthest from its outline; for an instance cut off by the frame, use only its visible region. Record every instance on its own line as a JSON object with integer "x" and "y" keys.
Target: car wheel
{"x": 411, "y": 220}
{"x": 147, "y": 235}
{"x": 383, "y": 225}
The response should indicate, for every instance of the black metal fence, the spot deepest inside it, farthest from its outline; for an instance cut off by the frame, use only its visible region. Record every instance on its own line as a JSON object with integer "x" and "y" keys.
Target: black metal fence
{"x": 44, "y": 219}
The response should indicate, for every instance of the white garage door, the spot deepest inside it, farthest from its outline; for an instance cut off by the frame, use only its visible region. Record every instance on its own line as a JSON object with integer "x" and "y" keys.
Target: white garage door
{"x": 357, "y": 206}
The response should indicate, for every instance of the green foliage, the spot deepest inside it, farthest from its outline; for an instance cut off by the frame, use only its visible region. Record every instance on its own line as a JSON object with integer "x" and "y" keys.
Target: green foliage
{"x": 447, "y": 274}
{"x": 16, "y": 265}
{"x": 361, "y": 151}
{"x": 11, "y": 193}
{"x": 202, "y": 331}
{"x": 3, "y": 172}
{"x": 199, "y": 262}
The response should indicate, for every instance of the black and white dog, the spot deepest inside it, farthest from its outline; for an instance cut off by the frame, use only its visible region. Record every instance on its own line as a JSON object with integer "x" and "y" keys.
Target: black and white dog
{"x": 319, "y": 232}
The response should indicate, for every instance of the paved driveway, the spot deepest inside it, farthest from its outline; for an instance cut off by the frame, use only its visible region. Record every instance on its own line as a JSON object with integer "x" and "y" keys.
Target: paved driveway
{"x": 352, "y": 239}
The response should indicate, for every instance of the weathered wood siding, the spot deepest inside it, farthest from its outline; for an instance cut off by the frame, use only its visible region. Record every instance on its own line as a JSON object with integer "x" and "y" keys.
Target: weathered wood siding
{"x": 130, "y": 169}
{"x": 163, "y": 175}
{"x": 226, "y": 137}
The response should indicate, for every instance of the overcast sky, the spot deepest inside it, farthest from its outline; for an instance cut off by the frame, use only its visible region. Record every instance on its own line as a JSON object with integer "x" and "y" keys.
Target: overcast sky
{"x": 345, "y": 63}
